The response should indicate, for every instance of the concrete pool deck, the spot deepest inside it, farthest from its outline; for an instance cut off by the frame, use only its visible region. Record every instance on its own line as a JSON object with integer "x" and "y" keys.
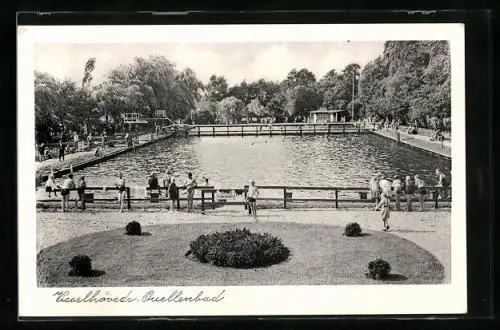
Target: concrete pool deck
{"x": 430, "y": 229}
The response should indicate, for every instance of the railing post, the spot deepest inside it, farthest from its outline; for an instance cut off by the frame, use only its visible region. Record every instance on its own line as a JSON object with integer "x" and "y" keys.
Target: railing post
{"x": 256, "y": 130}
{"x": 329, "y": 129}
{"x": 199, "y": 133}
{"x": 270, "y": 130}
{"x": 213, "y": 130}
{"x": 343, "y": 128}
{"x": 284, "y": 197}
{"x": 213, "y": 199}
{"x": 336, "y": 198}
{"x": 202, "y": 201}
{"x": 314, "y": 129}
{"x": 285, "y": 129}
{"x": 178, "y": 200}
{"x": 228, "y": 131}
{"x": 359, "y": 129}
{"x": 435, "y": 195}
{"x": 300, "y": 129}
{"x": 128, "y": 198}
{"x": 245, "y": 199}
{"x": 242, "y": 130}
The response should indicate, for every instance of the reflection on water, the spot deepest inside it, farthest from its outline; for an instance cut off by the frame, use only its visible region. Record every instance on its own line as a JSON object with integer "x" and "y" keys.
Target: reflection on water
{"x": 334, "y": 160}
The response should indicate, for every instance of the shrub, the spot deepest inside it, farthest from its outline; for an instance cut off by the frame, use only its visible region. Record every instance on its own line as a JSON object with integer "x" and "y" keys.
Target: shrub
{"x": 81, "y": 265}
{"x": 378, "y": 269}
{"x": 352, "y": 229}
{"x": 239, "y": 249}
{"x": 133, "y": 228}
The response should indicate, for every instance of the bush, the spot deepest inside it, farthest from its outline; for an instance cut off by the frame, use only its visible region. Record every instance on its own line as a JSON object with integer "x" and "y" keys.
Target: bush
{"x": 133, "y": 228}
{"x": 352, "y": 229}
{"x": 378, "y": 269}
{"x": 239, "y": 249}
{"x": 81, "y": 265}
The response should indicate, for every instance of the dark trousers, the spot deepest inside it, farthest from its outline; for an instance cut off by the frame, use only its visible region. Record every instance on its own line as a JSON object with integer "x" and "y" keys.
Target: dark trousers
{"x": 81, "y": 198}
{"x": 61, "y": 154}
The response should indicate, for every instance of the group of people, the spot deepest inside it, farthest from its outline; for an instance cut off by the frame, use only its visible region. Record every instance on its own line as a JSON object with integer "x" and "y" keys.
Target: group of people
{"x": 382, "y": 190}
{"x": 172, "y": 190}
{"x": 68, "y": 183}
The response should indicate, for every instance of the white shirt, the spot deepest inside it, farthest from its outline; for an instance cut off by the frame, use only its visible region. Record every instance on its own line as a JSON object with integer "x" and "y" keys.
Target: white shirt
{"x": 385, "y": 185}
{"x": 68, "y": 183}
{"x": 253, "y": 192}
{"x": 50, "y": 183}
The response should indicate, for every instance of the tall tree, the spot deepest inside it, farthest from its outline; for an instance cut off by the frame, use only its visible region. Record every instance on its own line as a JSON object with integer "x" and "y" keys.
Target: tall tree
{"x": 217, "y": 88}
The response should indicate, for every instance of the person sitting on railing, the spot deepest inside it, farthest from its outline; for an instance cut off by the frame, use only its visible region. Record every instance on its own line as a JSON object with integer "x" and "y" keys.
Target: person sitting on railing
{"x": 167, "y": 178}
{"x": 153, "y": 183}
{"x": 442, "y": 185}
{"x": 374, "y": 189}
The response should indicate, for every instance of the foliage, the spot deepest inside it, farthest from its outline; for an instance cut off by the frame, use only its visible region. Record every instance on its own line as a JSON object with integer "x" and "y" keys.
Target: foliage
{"x": 352, "y": 229}
{"x": 409, "y": 81}
{"x": 255, "y": 109}
{"x": 301, "y": 100}
{"x": 239, "y": 249}
{"x": 230, "y": 110}
{"x": 133, "y": 228}
{"x": 378, "y": 269}
{"x": 216, "y": 88}
{"x": 81, "y": 265}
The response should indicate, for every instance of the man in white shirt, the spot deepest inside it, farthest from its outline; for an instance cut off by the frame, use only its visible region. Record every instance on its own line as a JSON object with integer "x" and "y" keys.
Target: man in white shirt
{"x": 68, "y": 184}
{"x": 253, "y": 193}
{"x": 190, "y": 184}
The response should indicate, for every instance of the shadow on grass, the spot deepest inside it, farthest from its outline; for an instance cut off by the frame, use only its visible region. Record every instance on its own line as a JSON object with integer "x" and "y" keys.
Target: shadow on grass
{"x": 142, "y": 234}
{"x": 92, "y": 273}
{"x": 395, "y": 277}
{"x": 411, "y": 231}
{"x": 359, "y": 235}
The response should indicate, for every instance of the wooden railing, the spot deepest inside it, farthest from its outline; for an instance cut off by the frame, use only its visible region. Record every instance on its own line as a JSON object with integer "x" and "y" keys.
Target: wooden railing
{"x": 274, "y": 129}
{"x": 287, "y": 195}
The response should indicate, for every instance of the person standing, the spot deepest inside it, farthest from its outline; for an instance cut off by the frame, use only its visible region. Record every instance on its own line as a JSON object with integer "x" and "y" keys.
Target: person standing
{"x": 65, "y": 189}
{"x": 167, "y": 178}
{"x": 420, "y": 184}
{"x": 173, "y": 193}
{"x": 385, "y": 207}
{"x": 50, "y": 185}
{"x": 62, "y": 149}
{"x": 80, "y": 189}
{"x": 374, "y": 189}
{"x": 89, "y": 141}
{"x": 409, "y": 190}
{"x": 103, "y": 141}
{"x": 120, "y": 184}
{"x": 253, "y": 193}
{"x": 190, "y": 185}
{"x": 442, "y": 184}
{"x": 397, "y": 188}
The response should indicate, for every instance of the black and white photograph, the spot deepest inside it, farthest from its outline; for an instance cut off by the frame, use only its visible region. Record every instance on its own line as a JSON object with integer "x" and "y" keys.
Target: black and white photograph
{"x": 242, "y": 170}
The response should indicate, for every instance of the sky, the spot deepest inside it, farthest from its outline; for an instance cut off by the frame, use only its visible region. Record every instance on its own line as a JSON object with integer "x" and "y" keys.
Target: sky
{"x": 235, "y": 61}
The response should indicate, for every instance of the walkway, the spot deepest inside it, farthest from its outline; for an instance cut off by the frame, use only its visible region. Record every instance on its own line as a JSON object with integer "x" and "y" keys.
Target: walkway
{"x": 430, "y": 230}
{"x": 46, "y": 166}
{"x": 420, "y": 141}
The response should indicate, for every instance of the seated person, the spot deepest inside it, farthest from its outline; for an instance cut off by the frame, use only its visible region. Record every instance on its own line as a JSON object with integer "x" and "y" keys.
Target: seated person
{"x": 153, "y": 183}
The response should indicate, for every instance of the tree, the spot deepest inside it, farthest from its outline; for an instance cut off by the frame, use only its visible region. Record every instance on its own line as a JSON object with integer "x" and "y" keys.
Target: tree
{"x": 295, "y": 78}
{"x": 87, "y": 72}
{"x": 230, "y": 110}
{"x": 276, "y": 107}
{"x": 255, "y": 109}
{"x": 216, "y": 88}
{"x": 301, "y": 100}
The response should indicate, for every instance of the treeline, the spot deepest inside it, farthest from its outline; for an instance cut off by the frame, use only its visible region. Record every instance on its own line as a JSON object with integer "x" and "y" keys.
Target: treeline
{"x": 409, "y": 81}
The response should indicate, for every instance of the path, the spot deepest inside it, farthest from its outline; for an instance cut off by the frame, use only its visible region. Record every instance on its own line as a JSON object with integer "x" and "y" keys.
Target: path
{"x": 47, "y": 165}
{"x": 430, "y": 230}
{"x": 420, "y": 141}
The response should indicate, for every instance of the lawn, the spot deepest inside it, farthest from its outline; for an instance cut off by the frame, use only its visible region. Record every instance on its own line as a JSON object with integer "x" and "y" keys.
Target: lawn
{"x": 320, "y": 255}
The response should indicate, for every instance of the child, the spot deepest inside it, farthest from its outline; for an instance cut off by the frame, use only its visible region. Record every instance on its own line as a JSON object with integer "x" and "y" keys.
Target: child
{"x": 385, "y": 207}
{"x": 50, "y": 185}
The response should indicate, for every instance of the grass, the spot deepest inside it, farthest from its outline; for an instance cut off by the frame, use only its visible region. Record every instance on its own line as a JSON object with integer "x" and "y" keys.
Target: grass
{"x": 320, "y": 255}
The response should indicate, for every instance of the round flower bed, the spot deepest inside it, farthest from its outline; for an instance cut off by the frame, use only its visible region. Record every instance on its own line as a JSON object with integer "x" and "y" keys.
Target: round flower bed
{"x": 239, "y": 249}
{"x": 81, "y": 265}
{"x": 352, "y": 229}
{"x": 133, "y": 228}
{"x": 378, "y": 269}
